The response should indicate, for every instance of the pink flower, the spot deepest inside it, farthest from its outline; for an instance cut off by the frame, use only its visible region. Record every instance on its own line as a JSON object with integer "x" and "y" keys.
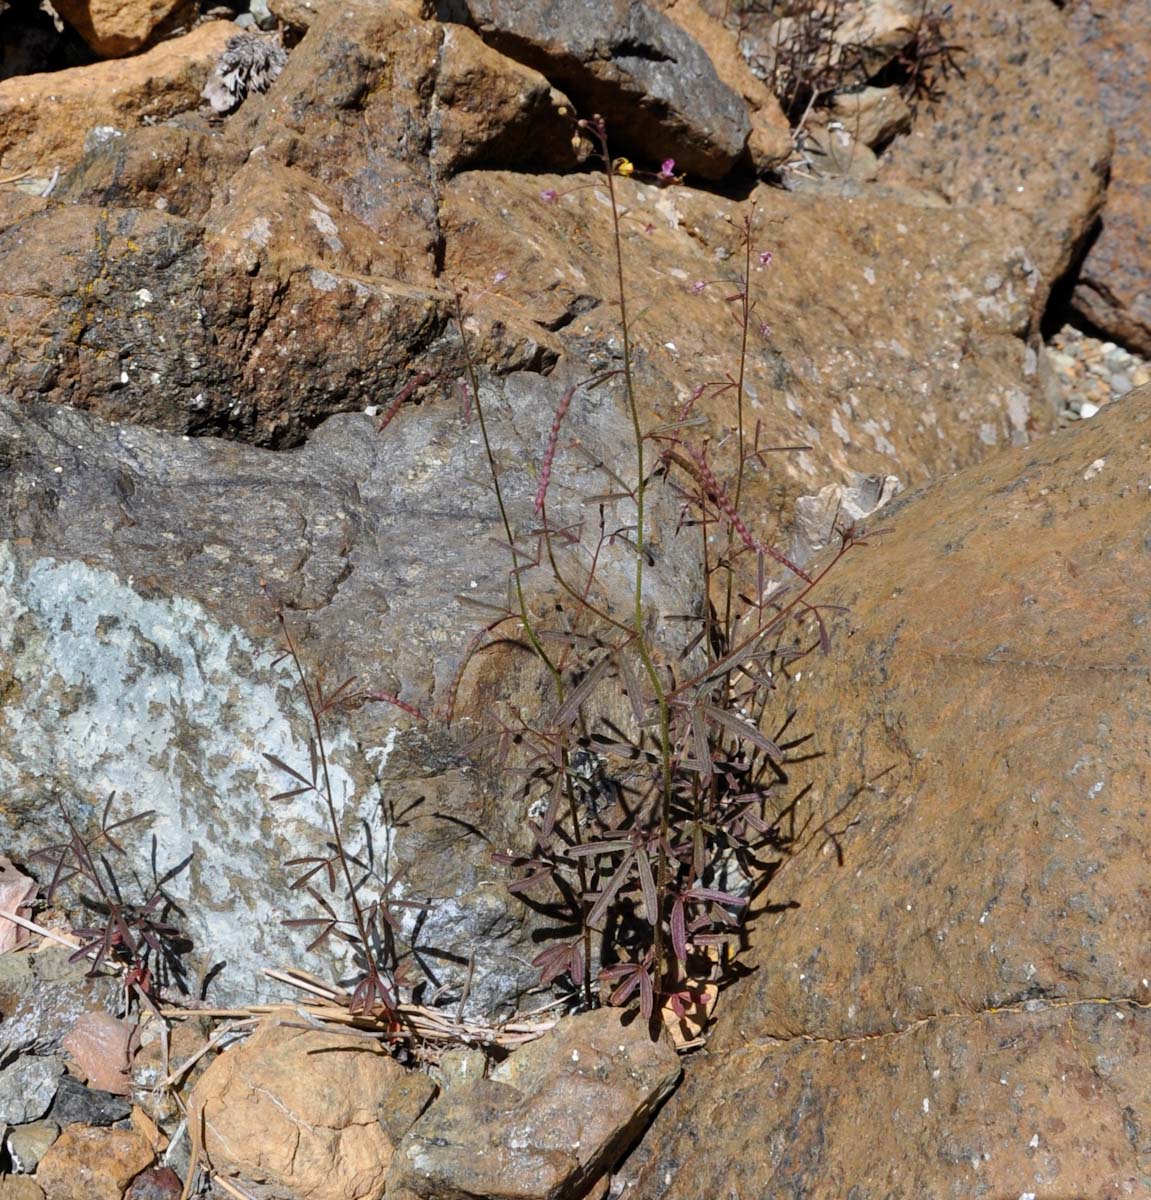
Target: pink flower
{"x": 698, "y": 286}
{"x": 765, "y": 258}
{"x": 549, "y": 196}
{"x": 499, "y": 277}
{"x": 666, "y": 172}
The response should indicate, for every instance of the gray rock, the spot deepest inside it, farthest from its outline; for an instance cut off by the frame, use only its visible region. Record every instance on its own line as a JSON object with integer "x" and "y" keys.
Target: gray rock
{"x": 551, "y": 1119}
{"x": 42, "y": 995}
{"x": 27, "y": 1088}
{"x": 76, "y": 1104}
{"x": 651, "y": 81}
{"x": 27, "y": 1144}
{"x": 142, "y": 651}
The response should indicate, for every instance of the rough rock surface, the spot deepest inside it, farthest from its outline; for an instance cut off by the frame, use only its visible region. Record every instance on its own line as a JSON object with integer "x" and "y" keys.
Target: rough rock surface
{"x": 43, "y": 994}
{"x": 894, "y": 340}
{"x": 1023, "y": 131}
{"x": 101, "y": 1046}
{"x": 45, "y": 120}
{"x": 27, "y": 1087}
{"x": 1114, "y": 287}
{"x": 92, "y": 1163}
{"x": 959, "y": 942}
{"x": 114, "y": 28}
{"x": 549, "y": 1121}
{"x": 644, "y": 74}
{"x": 138, "y": 656}
{"x": 20, "y": 1187}
{"x": 770, "y": 141}
{"x": 304, "y": 1114}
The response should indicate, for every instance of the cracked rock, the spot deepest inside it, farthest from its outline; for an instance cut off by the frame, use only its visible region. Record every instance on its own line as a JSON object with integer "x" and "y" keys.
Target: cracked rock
{"x": 303, "y": 1114}
{"x": 948, "y": 993}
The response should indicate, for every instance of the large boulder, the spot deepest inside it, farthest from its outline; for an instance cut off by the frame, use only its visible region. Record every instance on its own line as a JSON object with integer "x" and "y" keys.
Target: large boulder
{"x": 888, "y": 337}
{"x": 948, "y": 985}
{"x": 47, "y": 119}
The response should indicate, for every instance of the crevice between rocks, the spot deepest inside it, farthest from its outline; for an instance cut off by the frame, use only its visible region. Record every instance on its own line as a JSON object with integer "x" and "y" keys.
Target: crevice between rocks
{"x": 1029, "y": 1007}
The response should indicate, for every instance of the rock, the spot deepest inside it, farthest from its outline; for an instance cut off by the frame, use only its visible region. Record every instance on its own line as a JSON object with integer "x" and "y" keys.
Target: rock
{"x": 871, "y": 115}
{"x": 835, "y": 152}
{"x": 490, "y": 109}
{"x": 549, "y": 1121}
{"x": 874, "y": 31}
{"x": 27, "y": 1145}
{"x": 44, "y": 119}
{"x": 102, "y": 1047}
{"x": 17, "y": 890}
{"x": 114, "y": 28}
{"x": 1113, "y": 290}
{"x": 27, "y": 1087}
{"x": 1022, "y": 131}
{"x": 92, "y": 1163}
{"x": 166, "y": 542}
{"x": 156, "y": 1183}
{"x": 770, "y": 142}
{"x": 948, "y": 990}
{"x": 650, "y": 80}
{"x": 42, "y": 995}
{"x": 861, "y": 379}
{"x": 20, "y": 1187}
{"x": 306, "y": 1114}
{"x": 76, "y": 1104}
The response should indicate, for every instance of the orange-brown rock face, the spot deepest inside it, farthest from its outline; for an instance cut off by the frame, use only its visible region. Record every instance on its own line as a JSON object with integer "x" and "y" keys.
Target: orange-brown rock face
{"x": 959, "y": 952}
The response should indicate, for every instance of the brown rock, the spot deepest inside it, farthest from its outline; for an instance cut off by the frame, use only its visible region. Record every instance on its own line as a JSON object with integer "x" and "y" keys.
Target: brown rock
{"x": 870, "y": 360}
{"x": 20, "y": 1187}
{"x": 549, "y": 1121}
{"x": 307, "y": 1115}
{"x": 950, "y": 998}
{"x": 872, "y": 115}
{"x": 490, "y": 109}
{"x": 89, "y": 1162}
{"x": 102, "y": 1047}
{"x": 114, "y": 27}
{"x": 1021, "y": 130}
{"x": 1114, "y": 287}
{"x": 45, "y": 119}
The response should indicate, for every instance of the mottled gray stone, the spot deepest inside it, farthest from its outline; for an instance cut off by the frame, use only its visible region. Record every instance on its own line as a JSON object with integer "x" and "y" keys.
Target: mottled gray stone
{"x": 27, "y": 1088}
{"x": 43, "y": 994}
{"x": 140, "y": 652}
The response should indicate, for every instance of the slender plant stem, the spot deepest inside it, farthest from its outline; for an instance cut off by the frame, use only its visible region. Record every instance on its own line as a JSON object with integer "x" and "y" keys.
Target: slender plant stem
{"x": 642, "y": 646}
